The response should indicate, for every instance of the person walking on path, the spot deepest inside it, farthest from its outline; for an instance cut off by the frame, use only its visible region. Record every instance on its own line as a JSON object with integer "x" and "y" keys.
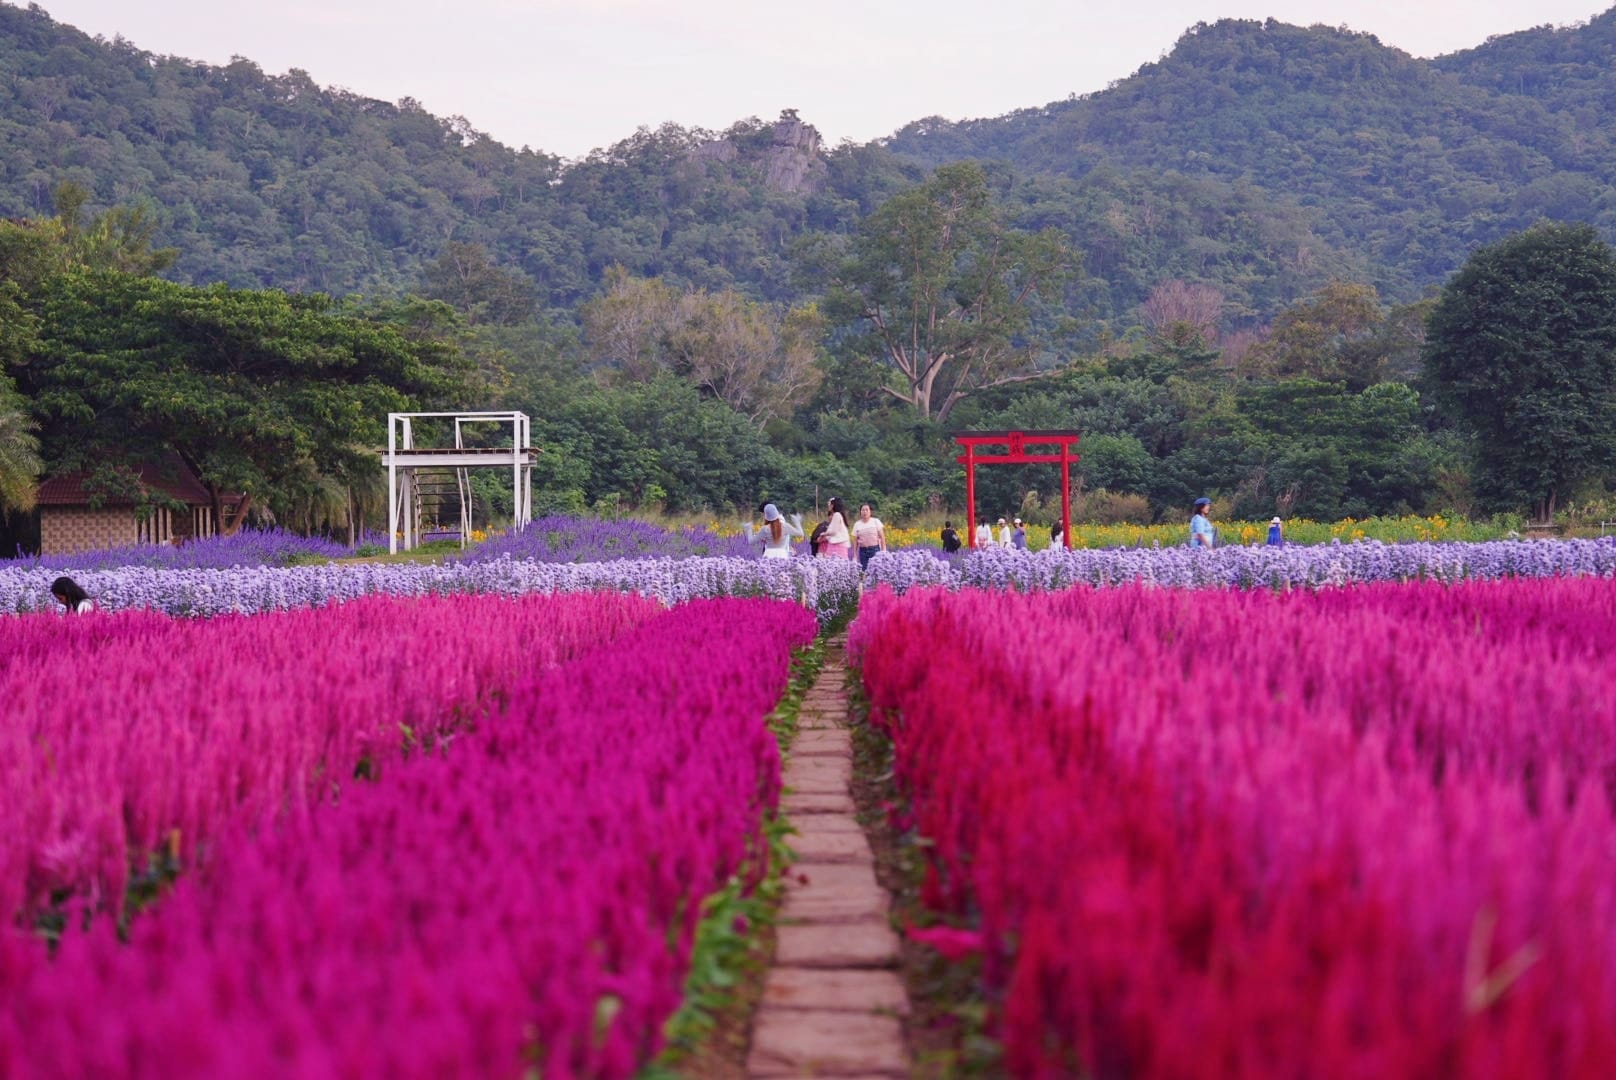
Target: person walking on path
{"x": 951, "y": 540}
{"x": 1276, "y": 533}
{"x": 1018, "y": 536}
{"x": 984, "y": 534}
{"x": 73, "y": 598}
{"x": 869, "y": 535}
{"x": 776, "y": 534}
{"x": 837, "y": 538}
{"x": 1202, "y": 534}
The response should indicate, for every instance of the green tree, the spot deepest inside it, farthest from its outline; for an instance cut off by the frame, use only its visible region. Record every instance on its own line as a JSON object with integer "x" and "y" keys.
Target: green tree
{"x": 1521, "y": 352}
{"x": 466, "y": 277}
{"x": 760, "y": 360}
{"x": 260, "y": 392}
{"x": 20, "y": 465}
{"x": 119, "y": 239}
{"x": 940, "y": 289}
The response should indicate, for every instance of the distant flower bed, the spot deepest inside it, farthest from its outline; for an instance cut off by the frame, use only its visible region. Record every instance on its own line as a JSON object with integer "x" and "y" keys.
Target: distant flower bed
{"x": 1243, "y": 567}
{"x": 249, "y": 547}
{"x": 561, "y": 539}
{"x": 1298, "y": 531}
{"x": 825, "y": 586}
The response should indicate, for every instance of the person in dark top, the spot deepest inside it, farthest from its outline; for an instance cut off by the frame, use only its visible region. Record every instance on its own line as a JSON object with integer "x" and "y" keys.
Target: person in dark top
{"x": 1055, "y": 534}
{"x": 68, "y": 593}
{"x": 951, "y": 540}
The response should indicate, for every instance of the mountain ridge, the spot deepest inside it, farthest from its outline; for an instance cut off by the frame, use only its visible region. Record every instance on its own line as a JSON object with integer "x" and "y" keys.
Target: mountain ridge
{"x": 1261, "y": 158}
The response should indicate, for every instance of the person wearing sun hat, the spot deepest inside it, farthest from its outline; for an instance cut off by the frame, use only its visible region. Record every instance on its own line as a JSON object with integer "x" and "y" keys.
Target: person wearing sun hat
{"x": 1202, "y": 535}
{"x": 1276, "y": 533}
{"x": 1018, "y": 536}
{"x": 776, "y": 533}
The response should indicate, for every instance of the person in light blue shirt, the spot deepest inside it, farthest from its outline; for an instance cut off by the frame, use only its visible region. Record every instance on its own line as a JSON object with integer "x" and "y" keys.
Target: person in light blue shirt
{"x": 1202, "y": 534}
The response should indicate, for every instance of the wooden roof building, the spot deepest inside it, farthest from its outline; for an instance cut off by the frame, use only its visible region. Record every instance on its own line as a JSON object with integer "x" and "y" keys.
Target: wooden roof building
{"x": 72, "y": 518}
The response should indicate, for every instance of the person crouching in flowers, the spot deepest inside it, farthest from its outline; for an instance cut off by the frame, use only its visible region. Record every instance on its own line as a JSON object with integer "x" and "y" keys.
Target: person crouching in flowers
{"x": 776, "y": 534}
{"x": 68, "y": 593}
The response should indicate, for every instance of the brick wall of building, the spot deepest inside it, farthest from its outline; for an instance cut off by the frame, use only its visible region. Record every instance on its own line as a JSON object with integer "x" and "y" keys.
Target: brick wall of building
{"x": 64, "y": 529}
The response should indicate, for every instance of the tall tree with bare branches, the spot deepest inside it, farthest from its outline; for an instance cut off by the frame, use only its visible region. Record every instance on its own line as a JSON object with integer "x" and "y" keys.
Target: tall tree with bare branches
{"x": 942, "y": 290}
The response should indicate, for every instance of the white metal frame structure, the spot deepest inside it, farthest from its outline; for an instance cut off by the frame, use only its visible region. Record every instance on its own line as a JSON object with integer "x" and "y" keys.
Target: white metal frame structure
{"x": 404, "y": 459}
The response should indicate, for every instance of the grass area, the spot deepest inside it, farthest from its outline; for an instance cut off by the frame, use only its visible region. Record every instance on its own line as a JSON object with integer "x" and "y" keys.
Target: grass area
{"x": 431, "y": 552}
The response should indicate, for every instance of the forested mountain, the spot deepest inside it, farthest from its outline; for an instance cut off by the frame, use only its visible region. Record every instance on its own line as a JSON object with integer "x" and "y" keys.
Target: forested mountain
{"x": 1259, "y": 158}
{"x": 1401, "y": 164}
{"x": 271, "y": 180}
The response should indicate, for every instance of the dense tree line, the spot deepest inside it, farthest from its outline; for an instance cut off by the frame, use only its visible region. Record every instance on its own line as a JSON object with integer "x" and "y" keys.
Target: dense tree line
{"x": 1342, "y": 409}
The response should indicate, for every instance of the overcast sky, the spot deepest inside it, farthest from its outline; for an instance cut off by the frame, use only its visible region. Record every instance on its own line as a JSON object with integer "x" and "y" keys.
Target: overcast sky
{"x": 566, "y": 76}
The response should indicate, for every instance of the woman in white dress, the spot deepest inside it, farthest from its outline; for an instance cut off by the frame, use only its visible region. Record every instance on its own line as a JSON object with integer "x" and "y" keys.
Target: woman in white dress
{"x": 776, "y": 533}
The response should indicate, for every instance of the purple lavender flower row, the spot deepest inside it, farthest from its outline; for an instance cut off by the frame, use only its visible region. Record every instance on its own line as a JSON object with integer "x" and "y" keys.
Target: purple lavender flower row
{"x": 250, "y": 547}
{"x": 1249, "y": 567}
{"x": 554, "y": 539}
{"x": 560, "y": 539}
{"x": 825, "y": 586}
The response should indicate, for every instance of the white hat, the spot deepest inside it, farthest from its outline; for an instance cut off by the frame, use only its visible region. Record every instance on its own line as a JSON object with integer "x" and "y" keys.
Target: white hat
{"x": 771, "y": 512}
{"x": 1276, "y": 521}
{"x": 1001, "y": 521}
{"x": 1018, "y": 521}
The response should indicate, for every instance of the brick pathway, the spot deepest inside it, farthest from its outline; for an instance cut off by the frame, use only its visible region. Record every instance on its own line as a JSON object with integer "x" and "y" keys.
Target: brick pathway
{"x": 832, "y": 1000}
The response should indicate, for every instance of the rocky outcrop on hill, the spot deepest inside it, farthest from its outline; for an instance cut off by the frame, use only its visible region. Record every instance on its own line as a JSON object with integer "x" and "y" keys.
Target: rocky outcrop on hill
{"x": 789, "y": 161}
{"x": 793, "y": 162}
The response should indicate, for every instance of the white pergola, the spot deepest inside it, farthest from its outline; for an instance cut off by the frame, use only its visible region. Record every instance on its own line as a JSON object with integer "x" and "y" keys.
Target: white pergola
{"x": 405, "y": 460}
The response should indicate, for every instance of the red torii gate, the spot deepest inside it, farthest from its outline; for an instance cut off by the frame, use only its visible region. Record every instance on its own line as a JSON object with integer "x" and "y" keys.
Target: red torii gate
{"x": 1015, "y": 443}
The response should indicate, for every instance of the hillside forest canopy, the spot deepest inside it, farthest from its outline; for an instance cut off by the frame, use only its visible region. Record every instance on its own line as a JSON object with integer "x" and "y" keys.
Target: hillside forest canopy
{"x": 1219, "y": 270}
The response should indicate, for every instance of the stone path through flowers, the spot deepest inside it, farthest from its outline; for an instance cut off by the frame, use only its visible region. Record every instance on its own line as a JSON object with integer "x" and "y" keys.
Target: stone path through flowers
{"x": 832, "y": 1000}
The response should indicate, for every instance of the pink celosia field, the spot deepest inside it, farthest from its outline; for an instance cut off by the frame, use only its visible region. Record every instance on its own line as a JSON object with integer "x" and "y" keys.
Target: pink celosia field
{"x": 1354, "y": 832}
{"x": 519, "y": 901}
{"x": 128, "y": 732}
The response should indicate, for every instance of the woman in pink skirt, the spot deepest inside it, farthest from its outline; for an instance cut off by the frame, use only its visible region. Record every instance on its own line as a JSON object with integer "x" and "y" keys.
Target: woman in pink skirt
{"x": 837, "y": 540}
